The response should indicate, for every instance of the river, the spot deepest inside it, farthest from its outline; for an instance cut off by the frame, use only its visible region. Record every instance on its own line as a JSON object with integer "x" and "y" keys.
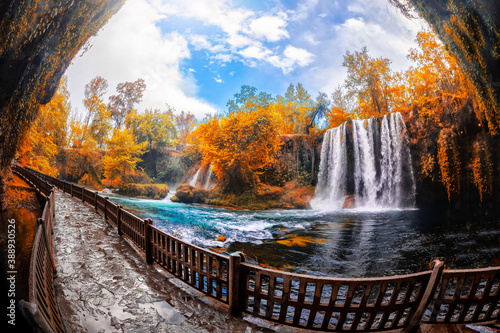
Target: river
{"x": 342, "y": 243}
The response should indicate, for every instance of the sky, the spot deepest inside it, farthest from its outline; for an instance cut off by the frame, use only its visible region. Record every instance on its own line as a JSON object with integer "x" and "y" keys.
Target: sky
{"x": 194, "y": 55}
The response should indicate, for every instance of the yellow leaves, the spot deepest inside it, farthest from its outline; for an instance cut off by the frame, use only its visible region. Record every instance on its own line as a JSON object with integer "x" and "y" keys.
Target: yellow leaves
{"x": 122, "y": 154}
{"x": 185, "y": 123}
{"x": 155, "y": 127}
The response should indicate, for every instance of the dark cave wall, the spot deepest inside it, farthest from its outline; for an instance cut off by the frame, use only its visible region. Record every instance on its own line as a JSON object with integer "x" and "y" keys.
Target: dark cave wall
{"x": 38, "y": 41}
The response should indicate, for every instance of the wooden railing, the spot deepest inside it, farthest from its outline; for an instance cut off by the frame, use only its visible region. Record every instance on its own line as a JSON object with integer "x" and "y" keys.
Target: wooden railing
{"x": 329, "y": 304}
{"x": 41, "y": 305}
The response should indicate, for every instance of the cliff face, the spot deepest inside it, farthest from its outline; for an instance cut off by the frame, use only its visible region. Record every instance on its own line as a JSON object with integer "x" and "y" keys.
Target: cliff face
{"x": 455, "y": 156}
{"x": 298, "y": 159}
{"x": 38, "y": 41}
{"x": 470, "y": 31}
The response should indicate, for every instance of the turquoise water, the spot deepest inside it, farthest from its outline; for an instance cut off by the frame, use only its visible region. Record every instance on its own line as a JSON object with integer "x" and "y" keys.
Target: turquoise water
{"x": 343, "y": 243}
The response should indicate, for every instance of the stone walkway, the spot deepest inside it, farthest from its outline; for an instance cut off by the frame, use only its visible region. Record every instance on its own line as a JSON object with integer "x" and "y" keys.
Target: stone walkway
{"x": 104, "y": 285}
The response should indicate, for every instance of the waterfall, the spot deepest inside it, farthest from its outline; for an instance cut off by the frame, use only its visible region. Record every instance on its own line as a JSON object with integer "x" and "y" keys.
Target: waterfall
{"x": 368, "y": 159}
{"x": 193, "y": 180}
{"x": 333, "y": 166}
{"x": 207, "y": 183}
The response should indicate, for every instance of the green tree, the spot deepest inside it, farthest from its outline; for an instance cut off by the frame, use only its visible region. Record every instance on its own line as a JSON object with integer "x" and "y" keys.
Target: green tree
{"x": 155, "y": 128}
{"x": 296, "y": 109}
{"x": 247, "y": 100}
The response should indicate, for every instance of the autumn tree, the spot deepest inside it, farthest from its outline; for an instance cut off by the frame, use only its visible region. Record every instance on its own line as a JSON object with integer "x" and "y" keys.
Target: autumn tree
{"x": 368, "y": 81}
{"x": 469, "y": 31}
{"x": 122, "y": 155}
{"x": 185, "y": 123}
{"x": 47, "y": 134}
{"x": 239, "y": 146}
{"x": 340, "y": 110}
{"x": 97, "y": 123}
{"x": 84, "y": 164}
{"x": 296, "y": 108}
{"x": 155, "y": 128}
{"x": 129, "y": 94}
{"x": 435, "y": 72}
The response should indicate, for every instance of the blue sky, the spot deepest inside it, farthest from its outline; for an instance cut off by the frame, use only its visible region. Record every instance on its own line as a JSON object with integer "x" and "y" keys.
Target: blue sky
{"x": 195, "y": 54}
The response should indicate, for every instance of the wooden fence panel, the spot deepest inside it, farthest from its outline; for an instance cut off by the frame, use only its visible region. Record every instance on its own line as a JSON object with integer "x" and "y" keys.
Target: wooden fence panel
{"x": 466, "y": 296}
{"x": 40, "y": 286}
{"x": 101, "y": 204}
{"x": 331, "y": 304}
{"x": 134, "y": 228}
{"x": 112, "y": 213}
{"x": 202, "y": 269}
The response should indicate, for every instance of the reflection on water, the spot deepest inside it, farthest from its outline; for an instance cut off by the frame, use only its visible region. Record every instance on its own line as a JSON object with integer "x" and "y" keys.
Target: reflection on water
{"x": 342, "y": 243}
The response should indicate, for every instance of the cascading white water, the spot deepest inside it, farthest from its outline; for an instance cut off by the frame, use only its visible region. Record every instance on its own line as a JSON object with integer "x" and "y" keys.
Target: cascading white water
{"x": 369, "y": 160}
{"x": 333, "y": 167}
{"x": 193, "y": 180}
{"x": 207, "y": 183}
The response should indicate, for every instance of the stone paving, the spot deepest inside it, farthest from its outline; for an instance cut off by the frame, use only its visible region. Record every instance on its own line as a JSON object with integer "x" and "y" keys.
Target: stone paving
{"x": 104, "y": 285}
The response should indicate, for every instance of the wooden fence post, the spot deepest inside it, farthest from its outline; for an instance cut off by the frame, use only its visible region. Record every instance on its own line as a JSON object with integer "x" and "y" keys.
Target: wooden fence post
{"x": 83, "y": 194}
{"x": 436, "y": 274}
{"x": 235, "y": 259}
{"x": 96, "y": 200}
{"x": 147, "y": 240}
{"x": 119, "y": 220}
{"x": 106, "y": 208}
{"x": 71, "y": 188}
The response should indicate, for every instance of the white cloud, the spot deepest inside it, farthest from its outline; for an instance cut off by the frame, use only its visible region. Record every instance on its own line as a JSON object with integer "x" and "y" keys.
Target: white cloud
{"x": 309, "y": 37}
{"x": 298, "y": 55}
{"x": 271, "y": 28}
{"x": 292, "y": 57}
{"x": 131, "y": 46}
{"x": 218, "y": 79}
{"x": 304, "y": 7}
{"x": 256, "y": 51}
{"x": 200, "y": 42}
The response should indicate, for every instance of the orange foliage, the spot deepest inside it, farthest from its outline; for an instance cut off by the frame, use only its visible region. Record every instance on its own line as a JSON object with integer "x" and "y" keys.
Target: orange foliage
{"x": 47, "y": 134}
{"x": 482, "y": 167}
{"x": 239, "y": 146}
{"x": 449, "y": 162}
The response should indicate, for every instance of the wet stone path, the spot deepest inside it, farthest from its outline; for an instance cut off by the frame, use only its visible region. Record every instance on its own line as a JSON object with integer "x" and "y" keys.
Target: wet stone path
{"x": 104, "y": 285}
